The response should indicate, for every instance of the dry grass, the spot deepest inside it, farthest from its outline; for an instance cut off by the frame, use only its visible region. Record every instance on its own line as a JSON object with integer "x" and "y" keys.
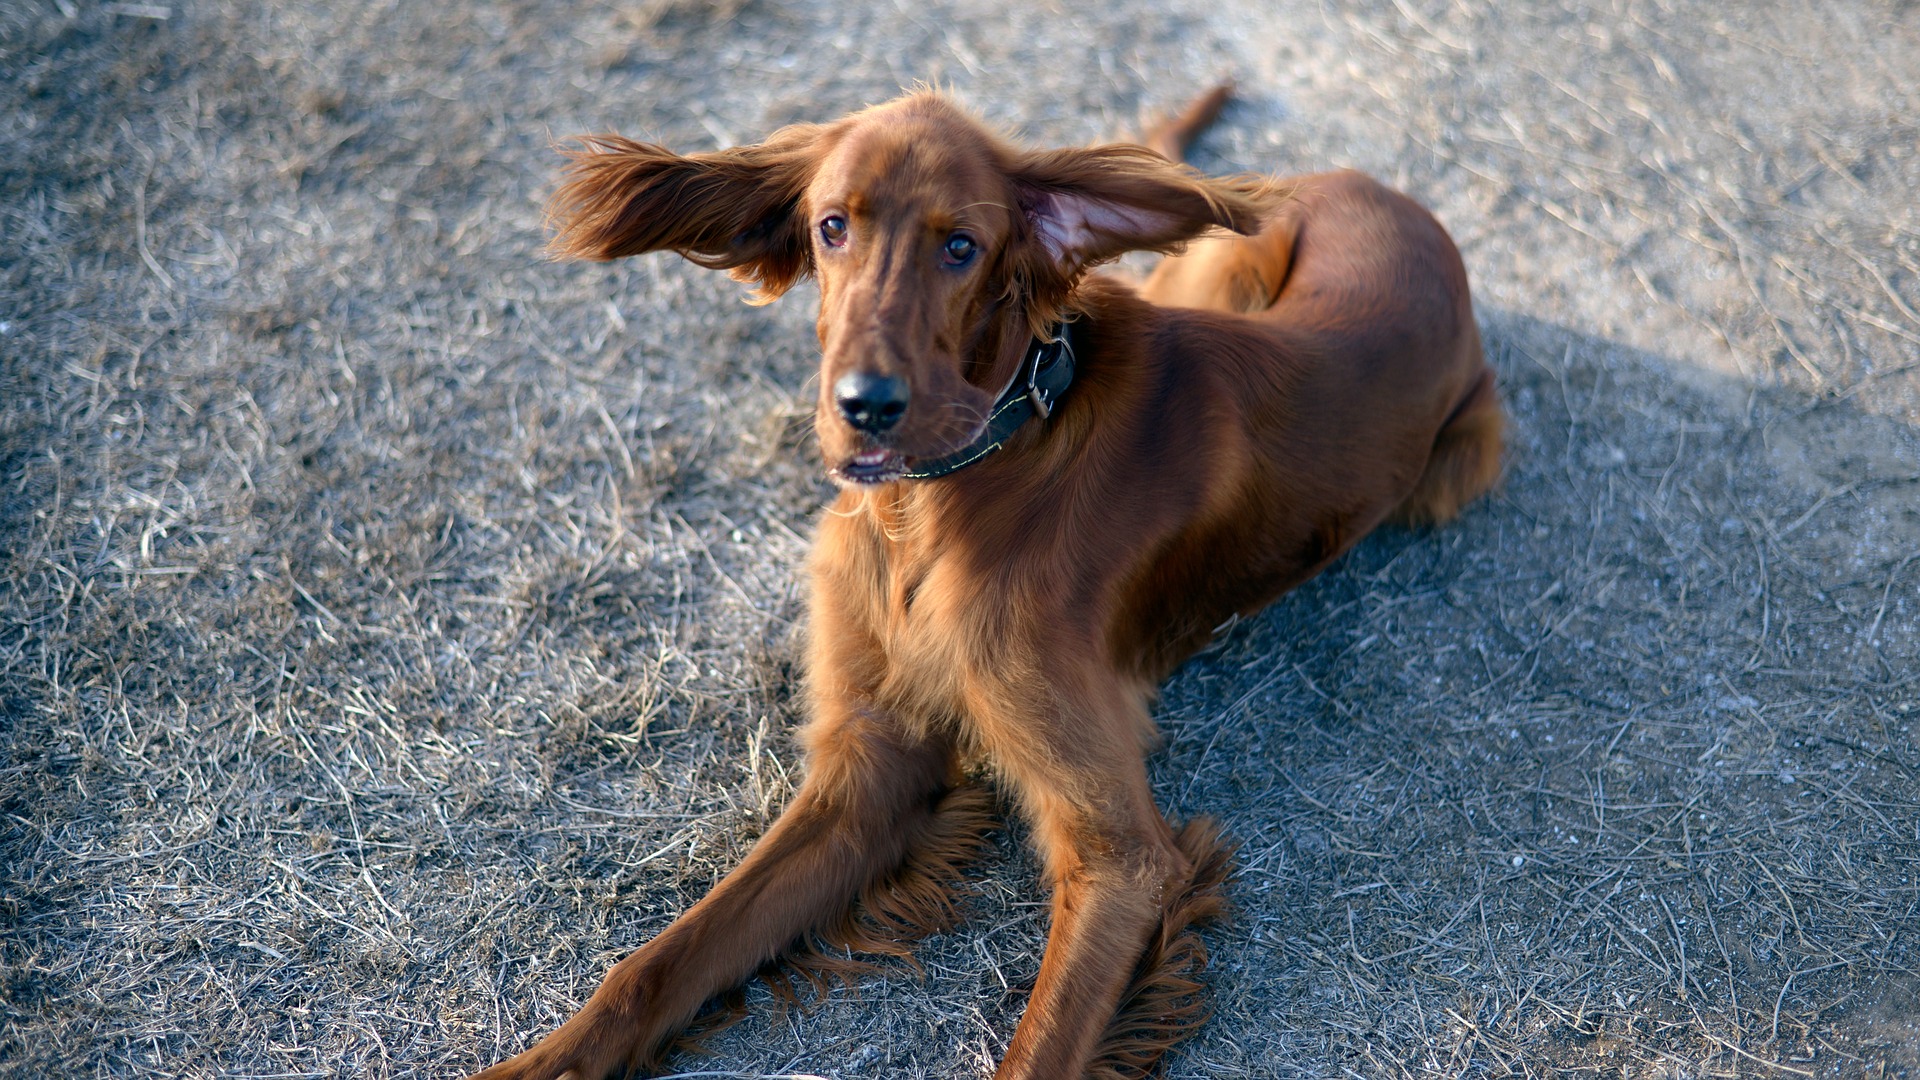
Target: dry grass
{"x": 395, "y": 629}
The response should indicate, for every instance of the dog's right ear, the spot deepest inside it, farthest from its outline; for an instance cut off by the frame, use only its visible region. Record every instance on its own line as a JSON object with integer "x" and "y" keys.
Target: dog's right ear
{"x": 734, "y": 210}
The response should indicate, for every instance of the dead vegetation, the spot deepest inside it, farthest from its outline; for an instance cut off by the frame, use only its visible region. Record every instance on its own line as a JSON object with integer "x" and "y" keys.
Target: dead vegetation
{"x": 396, "y": 629}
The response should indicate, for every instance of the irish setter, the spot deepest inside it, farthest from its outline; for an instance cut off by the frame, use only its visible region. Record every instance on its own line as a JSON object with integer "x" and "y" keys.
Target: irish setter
{"x": 1054, "y": 486}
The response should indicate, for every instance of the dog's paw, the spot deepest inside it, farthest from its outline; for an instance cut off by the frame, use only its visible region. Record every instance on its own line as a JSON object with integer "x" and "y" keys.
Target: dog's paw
{"x": 594, "y": 1045}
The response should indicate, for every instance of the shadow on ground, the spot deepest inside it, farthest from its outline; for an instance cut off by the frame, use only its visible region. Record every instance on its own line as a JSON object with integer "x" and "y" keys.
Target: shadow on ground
{"x": 1614, "y": 775}
{"x": 1617, "y": 770}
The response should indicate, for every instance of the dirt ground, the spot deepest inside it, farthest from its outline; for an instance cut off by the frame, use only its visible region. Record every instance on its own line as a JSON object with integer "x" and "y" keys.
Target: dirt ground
{"x": 396, "y": 629}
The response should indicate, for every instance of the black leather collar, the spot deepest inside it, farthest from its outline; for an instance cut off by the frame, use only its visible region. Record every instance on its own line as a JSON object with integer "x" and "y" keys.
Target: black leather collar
{"x": 1044, "y": 375}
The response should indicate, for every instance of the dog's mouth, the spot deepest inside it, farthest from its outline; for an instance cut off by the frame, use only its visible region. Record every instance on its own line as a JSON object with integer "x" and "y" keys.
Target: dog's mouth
{"x": 870, "y": 467}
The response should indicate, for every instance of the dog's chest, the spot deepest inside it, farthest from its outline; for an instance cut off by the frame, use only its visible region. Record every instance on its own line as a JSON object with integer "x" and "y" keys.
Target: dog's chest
{"x": 941, "y": 631}
{"x": 945, "y": 613}
{"x": 946, "y": 632}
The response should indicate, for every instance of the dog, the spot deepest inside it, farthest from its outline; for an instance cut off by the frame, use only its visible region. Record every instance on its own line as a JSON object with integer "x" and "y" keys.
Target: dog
{"x": 1054, "y": 486}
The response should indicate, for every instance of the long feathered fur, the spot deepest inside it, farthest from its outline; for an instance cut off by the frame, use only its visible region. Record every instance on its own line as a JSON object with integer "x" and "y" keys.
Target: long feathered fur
{"x": 923, "y": 896}
{"x": 1166, "y": 1001}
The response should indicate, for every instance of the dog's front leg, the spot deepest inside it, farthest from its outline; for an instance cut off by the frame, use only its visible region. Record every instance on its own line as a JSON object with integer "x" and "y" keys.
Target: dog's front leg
{"x": 1115, "y": 869}
{"x": 871, "y": 793}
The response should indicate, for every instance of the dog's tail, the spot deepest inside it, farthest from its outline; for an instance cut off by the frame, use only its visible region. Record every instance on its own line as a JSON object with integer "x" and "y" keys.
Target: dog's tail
{"x": 1170, "y": 137}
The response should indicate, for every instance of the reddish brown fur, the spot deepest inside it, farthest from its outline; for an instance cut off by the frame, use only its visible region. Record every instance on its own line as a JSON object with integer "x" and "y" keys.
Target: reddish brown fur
{"x": 1171, "y": 137}
{"x": 1253, "y": 409}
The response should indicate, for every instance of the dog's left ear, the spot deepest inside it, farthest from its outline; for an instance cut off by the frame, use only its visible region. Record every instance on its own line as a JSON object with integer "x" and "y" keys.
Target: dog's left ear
{"x": 1085, "y": 206}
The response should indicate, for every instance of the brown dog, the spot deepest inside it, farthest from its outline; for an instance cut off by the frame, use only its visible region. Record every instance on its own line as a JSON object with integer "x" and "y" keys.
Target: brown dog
{"x": 1054, "y": 488}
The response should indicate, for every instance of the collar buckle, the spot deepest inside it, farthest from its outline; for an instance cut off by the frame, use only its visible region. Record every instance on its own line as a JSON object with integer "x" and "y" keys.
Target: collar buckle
{"x": 1045, "y": 356}
{"x": 1045, "y": 373}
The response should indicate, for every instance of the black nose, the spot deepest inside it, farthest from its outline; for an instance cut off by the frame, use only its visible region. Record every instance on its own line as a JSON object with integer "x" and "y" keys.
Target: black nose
{"x": 872, "y": 403}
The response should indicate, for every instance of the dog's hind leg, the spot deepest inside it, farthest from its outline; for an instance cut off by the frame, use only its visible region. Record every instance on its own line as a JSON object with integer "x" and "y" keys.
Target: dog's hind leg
{"x": 1241, "y": 274}
{"x": 878, "y": 808}
{"x": 1465, "y": 460}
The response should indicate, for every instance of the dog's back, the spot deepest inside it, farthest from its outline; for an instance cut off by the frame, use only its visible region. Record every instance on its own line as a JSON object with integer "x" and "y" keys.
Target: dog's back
{"x": 1333, "y": 368}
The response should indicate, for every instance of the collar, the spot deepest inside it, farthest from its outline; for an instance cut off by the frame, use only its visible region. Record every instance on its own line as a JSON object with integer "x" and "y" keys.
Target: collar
{"x": 1043, "y": 376}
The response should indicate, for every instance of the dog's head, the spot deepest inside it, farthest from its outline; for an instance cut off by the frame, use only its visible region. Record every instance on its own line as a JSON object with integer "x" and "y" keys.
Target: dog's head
{"x": 939, "y": 249}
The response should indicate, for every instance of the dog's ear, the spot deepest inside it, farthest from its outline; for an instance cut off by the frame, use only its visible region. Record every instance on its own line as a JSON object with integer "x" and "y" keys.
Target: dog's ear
{"x": 733, "y": 210}
{"x": 1086, "y": 206}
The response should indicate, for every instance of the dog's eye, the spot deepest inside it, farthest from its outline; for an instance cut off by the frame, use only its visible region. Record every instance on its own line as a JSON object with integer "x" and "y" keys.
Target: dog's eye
{"x": 833, "y": 231}
{"x": 958, "y": 250}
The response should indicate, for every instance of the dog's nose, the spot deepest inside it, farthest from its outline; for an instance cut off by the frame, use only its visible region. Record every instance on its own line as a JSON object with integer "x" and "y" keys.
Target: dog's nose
{"x": 872, "y": 403}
